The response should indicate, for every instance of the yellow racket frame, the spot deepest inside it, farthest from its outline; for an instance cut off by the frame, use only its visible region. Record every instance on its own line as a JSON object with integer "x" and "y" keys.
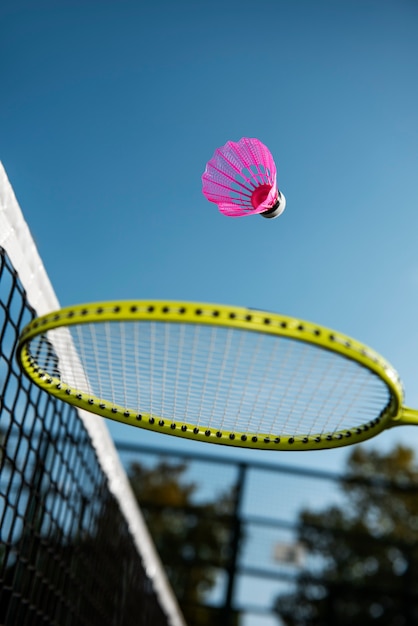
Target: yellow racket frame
{"x": 226, "y": 316}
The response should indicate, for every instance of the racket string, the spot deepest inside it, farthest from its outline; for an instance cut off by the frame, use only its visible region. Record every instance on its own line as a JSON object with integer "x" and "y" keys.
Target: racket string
{"x": 220, "y": 378}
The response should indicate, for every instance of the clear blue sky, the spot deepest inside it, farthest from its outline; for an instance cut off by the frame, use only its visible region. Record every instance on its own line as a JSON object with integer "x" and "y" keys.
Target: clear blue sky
{"x": 109, "y": 111}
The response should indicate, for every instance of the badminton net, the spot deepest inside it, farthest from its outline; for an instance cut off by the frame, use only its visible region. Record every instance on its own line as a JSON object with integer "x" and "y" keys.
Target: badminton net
{"x": 74, "y": 549}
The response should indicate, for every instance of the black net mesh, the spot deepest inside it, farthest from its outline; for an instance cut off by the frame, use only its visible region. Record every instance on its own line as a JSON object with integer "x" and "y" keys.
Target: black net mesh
{"x": 66, "y": 552}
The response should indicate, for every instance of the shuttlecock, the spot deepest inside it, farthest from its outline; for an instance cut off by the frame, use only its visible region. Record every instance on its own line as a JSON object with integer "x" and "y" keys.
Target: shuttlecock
{"x": 241, "y": 179}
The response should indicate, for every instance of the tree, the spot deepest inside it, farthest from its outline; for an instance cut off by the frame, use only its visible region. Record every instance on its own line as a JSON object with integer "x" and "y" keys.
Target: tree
{"x": 193, "y": 540}
{"x": 365, "y": 551}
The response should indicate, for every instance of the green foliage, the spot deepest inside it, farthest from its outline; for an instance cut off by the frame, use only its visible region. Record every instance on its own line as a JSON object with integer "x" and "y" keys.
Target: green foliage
{"x": 364, "y": 551}
{"x": 193, "y": 540}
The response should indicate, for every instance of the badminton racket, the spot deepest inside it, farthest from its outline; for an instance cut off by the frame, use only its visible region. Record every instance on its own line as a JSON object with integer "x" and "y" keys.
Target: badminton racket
{"x": 215, "y": 373}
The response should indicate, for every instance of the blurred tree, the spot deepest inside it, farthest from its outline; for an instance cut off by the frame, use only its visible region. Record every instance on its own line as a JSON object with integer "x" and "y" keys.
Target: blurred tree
{"x": 192, "y": 539}
{"x": 364, "y": 553}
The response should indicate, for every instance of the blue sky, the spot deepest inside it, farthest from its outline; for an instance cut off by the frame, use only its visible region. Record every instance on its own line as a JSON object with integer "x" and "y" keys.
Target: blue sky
{"x": 110, "y": 109}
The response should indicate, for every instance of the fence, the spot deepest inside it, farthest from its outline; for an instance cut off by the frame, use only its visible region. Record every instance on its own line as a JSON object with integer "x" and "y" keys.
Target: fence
{"x": 292, "y": 545}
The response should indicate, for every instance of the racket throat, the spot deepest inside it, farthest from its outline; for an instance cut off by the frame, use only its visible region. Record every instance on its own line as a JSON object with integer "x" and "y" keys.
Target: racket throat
{"x": 407, "y": 417}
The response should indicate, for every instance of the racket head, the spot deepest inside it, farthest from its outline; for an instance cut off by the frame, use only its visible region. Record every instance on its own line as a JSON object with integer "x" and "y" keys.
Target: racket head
{"x": 214, "y": 373}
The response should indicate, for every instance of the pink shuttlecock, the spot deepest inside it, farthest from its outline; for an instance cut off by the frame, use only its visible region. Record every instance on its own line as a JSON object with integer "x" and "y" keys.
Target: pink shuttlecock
{"x": 241, "y": 179}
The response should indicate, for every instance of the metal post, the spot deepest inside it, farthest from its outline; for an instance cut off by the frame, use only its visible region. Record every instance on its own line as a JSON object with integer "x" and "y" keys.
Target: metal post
{"x": 236, "y": 523}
